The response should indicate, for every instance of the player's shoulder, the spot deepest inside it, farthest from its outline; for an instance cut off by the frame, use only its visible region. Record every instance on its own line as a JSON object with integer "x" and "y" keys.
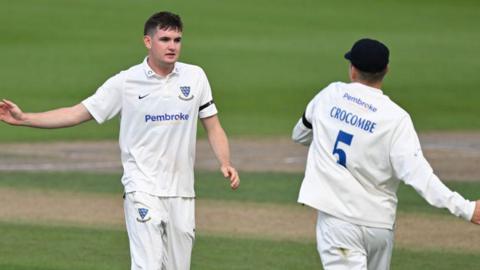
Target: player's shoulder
{"x": 121, "y": 76}
{"x": 325, "y": 93}
{"x": 134, "y": 71}
{"x": 140, "y": 69}
{"x": 331, "y": 89}
{"x": 394, "y": 108}
{"x": 335, "y": 87}
{"x": 190, "y": 69}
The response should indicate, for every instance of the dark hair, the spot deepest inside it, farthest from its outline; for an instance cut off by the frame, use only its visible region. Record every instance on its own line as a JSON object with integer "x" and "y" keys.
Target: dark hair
{"x": 163, "y": 20}
{"x": 371, "y": 77}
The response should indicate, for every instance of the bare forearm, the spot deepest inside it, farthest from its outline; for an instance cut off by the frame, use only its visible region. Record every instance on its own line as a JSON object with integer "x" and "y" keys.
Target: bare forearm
{"x": 219, "y": 142}
{"x": 58, "y": 118}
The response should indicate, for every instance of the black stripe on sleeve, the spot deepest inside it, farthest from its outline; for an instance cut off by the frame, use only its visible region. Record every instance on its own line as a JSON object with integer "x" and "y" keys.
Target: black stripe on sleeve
{"x": 206, "y": 105}
{"x": 305, "y": 122}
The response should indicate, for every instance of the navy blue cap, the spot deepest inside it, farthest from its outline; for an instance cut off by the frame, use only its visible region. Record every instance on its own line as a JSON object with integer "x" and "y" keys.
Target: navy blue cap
{"x": 369, "y": 55}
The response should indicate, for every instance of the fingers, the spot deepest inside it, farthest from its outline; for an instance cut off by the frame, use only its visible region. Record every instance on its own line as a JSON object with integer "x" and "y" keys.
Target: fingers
{"x": 476, "y": 213}
{"x": 10, "y": 113}
{"x": 4, "y": 108}
{"x": 235, "y": 184}
{"x": 225, "y": 171}
{"x": 8, "y": 103}
{"x": 234, "y": 179}
{"x": 231, "y": 174}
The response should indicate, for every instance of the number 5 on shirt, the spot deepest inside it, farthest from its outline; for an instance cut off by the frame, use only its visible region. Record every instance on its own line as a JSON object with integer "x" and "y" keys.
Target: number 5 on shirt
{"x": 345, "y": 138}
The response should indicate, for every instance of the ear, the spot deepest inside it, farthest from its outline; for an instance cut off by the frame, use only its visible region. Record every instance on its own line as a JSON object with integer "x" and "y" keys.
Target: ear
{"x": 147, "y": 40}
{"x": 352, "y": 73}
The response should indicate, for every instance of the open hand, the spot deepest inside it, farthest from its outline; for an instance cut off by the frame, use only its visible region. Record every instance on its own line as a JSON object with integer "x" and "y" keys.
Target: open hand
{"x": 10, "y": 113}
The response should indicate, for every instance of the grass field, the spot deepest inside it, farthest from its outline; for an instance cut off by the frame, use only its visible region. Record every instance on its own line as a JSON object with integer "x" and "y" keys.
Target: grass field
{"x": 36, "y": 245}
{"x": 264, "y": 60}
{"x": 58, "y": 248}
{"x": 278, "y": 188}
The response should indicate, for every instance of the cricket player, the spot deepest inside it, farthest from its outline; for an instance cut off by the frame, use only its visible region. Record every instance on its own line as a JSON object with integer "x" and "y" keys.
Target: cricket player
{"x": 159, "y": 101}
{"x": 362, "y": 145}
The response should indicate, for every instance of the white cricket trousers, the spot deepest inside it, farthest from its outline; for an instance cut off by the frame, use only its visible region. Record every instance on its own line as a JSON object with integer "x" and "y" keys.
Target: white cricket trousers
{"x": 161, "y": 231}
{"x": 346, "y": 246}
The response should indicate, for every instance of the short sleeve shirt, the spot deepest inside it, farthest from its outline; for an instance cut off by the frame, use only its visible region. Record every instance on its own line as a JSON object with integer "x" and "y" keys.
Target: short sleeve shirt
{"x": 158, "y": 125}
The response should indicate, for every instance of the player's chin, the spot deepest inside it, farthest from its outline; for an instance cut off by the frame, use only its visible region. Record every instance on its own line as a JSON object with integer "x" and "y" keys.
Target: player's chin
{"x": 170, "y": 58}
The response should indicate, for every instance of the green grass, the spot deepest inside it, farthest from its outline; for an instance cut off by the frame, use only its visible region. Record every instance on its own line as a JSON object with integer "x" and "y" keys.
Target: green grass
{"x": 264, "y": 63}
{"x": 45, "y": 247}
{"x": 434, "y": 260}
{"x": 33, "y": 247}
{"x": 281, "y": 188}
{"x": 63, "y": 181}
{"x": 219, "y": 253}
{"x": 42, "y": 247}
{"x": 50, "y": 247}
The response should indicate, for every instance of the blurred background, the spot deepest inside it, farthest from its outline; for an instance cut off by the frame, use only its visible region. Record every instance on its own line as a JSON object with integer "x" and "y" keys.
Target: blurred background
{"x": 60, "y": 194}
{"x": 265, "y": 59}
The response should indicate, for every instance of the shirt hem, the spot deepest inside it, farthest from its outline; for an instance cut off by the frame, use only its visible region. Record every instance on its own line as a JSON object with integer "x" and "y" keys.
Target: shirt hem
{"x": 161, "y": 194}
{"x": 383, "y": 225}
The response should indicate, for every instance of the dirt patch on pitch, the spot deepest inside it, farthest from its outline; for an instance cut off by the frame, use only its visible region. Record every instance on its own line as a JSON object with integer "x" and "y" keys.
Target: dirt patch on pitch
{"x": 60, "y": 208}
{"x": 453, "y": 155}
{"x": 426, "y": 231}
{"x": 246, "y": 219}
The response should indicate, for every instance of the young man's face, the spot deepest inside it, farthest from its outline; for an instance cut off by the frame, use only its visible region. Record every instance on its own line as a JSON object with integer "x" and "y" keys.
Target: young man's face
{"x": 164, "y": 47}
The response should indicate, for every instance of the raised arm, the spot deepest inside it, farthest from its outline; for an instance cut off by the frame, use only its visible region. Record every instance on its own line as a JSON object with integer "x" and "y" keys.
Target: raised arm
{"x": 219, "y": 142}
{"x": 11, "y": 114}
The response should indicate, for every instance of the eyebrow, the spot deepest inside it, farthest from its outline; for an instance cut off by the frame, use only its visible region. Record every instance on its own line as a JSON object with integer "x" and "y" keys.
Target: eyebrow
{"x": 169, "y": 38}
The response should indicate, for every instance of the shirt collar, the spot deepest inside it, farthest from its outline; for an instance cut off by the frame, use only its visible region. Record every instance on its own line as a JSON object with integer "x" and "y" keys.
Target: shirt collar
{"x": 364, "y": 86}
{"x": 149, "y": 72}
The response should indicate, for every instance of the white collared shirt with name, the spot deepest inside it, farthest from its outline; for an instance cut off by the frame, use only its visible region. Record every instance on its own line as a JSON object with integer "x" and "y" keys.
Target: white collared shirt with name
{"x": 362, "y": 145}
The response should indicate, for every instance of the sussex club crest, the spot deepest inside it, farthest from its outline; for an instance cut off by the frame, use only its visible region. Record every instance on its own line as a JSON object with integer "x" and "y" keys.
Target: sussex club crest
{"x": 185, "y": 93}
{"x": 143, "y": 213}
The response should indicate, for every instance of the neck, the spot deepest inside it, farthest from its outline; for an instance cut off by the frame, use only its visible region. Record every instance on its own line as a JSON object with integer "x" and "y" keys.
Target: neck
{"x": 160, "y": 69}
{"x": 377, "y": 85}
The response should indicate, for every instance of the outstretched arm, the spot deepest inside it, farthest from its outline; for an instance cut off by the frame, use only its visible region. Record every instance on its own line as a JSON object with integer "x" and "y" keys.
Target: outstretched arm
{"x": 410, "y": 165}
{"x": 219, "y": 142}
{"x": 11, "y": 114}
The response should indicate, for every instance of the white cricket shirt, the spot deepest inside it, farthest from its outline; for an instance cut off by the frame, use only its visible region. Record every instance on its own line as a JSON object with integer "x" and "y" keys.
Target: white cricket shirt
{"x": 362, "y": 144}
{"x": 158, "y": 125}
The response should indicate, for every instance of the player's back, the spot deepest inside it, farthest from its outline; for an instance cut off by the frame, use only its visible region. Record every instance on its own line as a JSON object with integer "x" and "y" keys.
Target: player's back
{"x": 349, "y": 174}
